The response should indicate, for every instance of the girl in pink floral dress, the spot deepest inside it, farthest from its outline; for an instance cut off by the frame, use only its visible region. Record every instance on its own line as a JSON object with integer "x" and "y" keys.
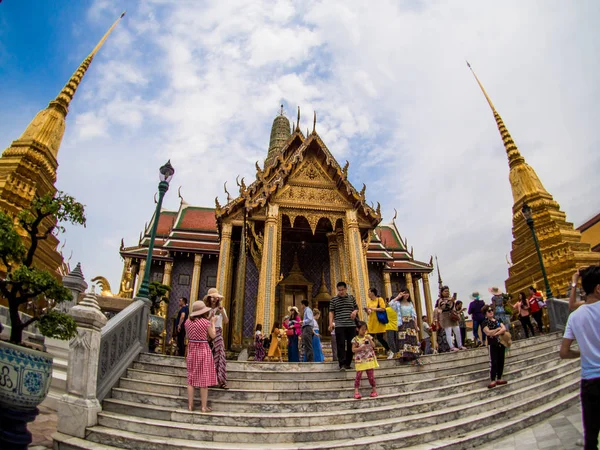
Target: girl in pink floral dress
{"x": 200, "y": 363}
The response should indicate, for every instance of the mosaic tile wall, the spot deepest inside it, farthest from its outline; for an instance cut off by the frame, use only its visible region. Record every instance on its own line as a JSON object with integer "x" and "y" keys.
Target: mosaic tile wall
{"x": 376, "y": 278}
{"x": 182, "y": 265}
{"x": 208, "y": 274}
{"x": 250, "y": 297}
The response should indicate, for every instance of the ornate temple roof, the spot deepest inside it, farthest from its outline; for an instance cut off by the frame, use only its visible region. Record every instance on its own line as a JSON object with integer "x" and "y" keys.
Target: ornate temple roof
{"x": 277, "y": 169}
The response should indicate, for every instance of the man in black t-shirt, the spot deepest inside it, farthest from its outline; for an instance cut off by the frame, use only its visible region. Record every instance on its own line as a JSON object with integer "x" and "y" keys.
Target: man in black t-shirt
{"x": 182, "y": 316}
{"x": 342, "y": 314}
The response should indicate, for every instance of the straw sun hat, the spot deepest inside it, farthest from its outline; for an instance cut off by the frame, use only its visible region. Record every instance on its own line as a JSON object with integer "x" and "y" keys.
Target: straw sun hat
{"x": 199, "y": 308}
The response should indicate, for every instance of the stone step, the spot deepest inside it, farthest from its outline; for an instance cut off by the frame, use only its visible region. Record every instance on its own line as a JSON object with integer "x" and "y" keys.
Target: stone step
{"x": 387, "y": 397}
{"x": 399, "y": 432}
{"x": 336, "y": 379}
{"x": 275, "y": 370}
{"x": 256, "y": 391}
{"x": 346, "y": 412}
{"x": 254, "y": 366}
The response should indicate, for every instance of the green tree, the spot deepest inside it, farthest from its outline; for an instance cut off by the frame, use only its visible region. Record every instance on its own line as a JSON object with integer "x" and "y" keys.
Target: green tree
{"x": 25, "y": 284}
{"x": 157, "y": 293}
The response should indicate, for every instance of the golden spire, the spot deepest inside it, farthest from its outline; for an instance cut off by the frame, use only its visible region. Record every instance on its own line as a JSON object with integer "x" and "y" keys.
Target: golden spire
{"x": 523, "y": 178}
{"x": 514, "y": 157}
{"x": 62, "y": 101}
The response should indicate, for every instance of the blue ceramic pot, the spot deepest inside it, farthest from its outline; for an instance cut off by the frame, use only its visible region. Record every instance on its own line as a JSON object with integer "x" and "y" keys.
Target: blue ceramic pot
{"x": 25, "y": 376}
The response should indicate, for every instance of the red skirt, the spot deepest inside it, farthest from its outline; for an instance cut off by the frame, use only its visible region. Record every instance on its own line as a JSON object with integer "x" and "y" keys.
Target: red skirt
{"x": 200, "y": 365}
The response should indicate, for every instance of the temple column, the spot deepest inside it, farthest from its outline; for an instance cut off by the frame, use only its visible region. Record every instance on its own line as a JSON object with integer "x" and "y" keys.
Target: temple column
{"x": 387, "y": 284}
{"x": 343, "y": 256}
{"x": 141, "y": 272}
{"x": 167, "y": 282}
{"x": 335, "y": 274}
{"x": 194, "y": 291}
{"x": 223, "y": 274}
{"x": 427, "y": 292}
{"x": 240, "y": 292}
{"x": 418, "y": 306}
{"x": 358, "y": 261}
{"x": 265, "y": 302}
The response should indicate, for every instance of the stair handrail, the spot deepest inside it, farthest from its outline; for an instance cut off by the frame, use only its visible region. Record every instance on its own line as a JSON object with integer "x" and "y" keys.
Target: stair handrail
{"x": 122, "y": 339}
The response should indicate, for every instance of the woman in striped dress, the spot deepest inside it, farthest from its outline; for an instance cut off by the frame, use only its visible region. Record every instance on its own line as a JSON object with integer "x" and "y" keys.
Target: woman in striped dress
{"x": 200, "y": 365}
{"x": 213, "y": 299}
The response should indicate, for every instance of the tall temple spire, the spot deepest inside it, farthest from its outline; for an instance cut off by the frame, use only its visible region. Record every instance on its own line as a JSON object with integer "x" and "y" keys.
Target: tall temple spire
{"x": 28, "y": 166}
{"x": 63, "y": 100}
{"x": 280, "y": 132}
{"x": 560, "y": 244}
{"x": 523, "y": 178}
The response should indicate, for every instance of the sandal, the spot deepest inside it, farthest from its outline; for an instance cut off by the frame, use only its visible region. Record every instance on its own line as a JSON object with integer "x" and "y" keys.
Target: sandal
{"x": 207, "y": 410}
{"x": 357, "y": 396}
{"x": 224, "y": 386}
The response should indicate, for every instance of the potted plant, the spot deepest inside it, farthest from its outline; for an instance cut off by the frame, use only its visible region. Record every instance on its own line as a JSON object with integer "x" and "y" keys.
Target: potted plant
{"x": 25, "y": 373}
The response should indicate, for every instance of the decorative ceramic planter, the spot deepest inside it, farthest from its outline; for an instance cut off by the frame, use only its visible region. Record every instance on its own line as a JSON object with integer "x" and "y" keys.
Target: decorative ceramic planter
{"x": 25, "y": 377}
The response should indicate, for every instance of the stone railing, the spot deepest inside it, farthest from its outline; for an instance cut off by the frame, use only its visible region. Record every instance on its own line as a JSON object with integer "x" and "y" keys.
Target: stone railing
{"x": 98, "y": 357}
{"x": 122, "y": 339}
{"x": 558, "y": 312}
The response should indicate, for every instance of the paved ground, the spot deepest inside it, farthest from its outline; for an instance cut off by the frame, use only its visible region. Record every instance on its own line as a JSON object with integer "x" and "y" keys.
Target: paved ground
{"x": 560, "y": 432}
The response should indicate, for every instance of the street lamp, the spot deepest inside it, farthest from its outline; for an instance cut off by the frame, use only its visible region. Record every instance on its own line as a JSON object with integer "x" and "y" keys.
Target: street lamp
{"x": 165, "y": 174}
{"x": 528, "y": 215}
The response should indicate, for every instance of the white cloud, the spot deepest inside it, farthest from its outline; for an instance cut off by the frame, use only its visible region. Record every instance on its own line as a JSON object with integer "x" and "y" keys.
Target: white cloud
{"x": 200, "y": 82}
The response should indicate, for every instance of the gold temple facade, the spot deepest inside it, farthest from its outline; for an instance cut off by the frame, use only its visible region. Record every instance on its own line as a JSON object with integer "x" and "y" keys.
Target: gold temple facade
{"x": 292, "y": 234}
{"x": 28, "y": 166}
{"x": 561, "y": 245}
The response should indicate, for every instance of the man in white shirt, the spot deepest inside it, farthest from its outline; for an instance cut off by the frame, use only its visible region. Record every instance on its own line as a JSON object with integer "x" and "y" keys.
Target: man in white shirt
{"x": 583, "y": 326}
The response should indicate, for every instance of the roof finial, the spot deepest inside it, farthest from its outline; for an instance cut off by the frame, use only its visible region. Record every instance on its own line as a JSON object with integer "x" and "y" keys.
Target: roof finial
{"x": 437, "y": 265}
{"x": 62, "y": 101}
{"x": 281, "y": 111}
{"x": 514, "y": 156}
{"x": 395, "y": 216}
{"x": 298, "y": 123}
{"x": 315, "y": 123}
{"x": 229, "y": 198}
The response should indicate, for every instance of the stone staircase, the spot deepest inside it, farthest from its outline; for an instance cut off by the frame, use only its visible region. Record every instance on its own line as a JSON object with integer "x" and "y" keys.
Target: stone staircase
{"x": 444, "y": 404}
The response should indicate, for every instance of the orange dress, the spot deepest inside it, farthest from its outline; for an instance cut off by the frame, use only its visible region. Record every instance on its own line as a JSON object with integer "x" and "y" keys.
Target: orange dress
{"x": 274, "y": 350}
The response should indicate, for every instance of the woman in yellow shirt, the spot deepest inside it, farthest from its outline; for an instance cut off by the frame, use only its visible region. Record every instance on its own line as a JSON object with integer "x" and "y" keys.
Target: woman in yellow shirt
{"x": 375, "y": 327}
{"x": 391, "y": 330}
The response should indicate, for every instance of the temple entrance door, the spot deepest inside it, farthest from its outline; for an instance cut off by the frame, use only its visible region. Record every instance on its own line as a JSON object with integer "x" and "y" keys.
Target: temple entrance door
{"x": 324, "y": 319}
{"x": 293, "y": 296}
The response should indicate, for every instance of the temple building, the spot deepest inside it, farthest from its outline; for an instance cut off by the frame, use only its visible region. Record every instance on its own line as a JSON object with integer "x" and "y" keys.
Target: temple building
{"x": 28, "y": 166}
{"x": 293, "y": 233}
{"x": 562, "y": 247}
{"x": 590, "y": 232}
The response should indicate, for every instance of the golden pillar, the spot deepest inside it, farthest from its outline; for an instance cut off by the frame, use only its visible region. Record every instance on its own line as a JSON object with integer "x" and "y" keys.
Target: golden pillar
{"x": 358, "y": 261}
{"x": 167, "y": 282}
{"x": 195, "y": 290}
{"x": 141, "y": 275}
{"x": 387, "y": 284}
{"x": 240, "y": 292}
{"x": 418, "y": 306}
{"x": 335, "y": 273}
{"x": 268, "y": 277}
{"x": 427, "y": 292}
{"x": 342, "y": 256}
{"x": 225, "y": 261}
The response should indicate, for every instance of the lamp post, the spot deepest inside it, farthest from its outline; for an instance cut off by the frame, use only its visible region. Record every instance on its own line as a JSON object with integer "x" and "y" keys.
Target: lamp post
{"x": 166, "y": 173}
{"x": 528, "y": 215}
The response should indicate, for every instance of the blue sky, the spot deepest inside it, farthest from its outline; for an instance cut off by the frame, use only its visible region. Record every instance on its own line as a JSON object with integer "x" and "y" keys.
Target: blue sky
{"x": 200, "y": 83}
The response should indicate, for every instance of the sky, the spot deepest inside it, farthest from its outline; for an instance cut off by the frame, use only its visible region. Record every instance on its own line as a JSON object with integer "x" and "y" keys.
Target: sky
{"x": 200, "y": 82}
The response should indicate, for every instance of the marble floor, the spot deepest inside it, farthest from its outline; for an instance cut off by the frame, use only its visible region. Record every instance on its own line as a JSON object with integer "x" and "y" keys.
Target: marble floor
{"x": 559, "y": 432}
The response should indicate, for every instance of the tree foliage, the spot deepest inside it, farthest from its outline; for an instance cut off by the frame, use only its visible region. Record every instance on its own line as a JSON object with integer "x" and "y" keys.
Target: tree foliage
{"x": 157, "y": 293}
{"x": 25, "y": 284}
